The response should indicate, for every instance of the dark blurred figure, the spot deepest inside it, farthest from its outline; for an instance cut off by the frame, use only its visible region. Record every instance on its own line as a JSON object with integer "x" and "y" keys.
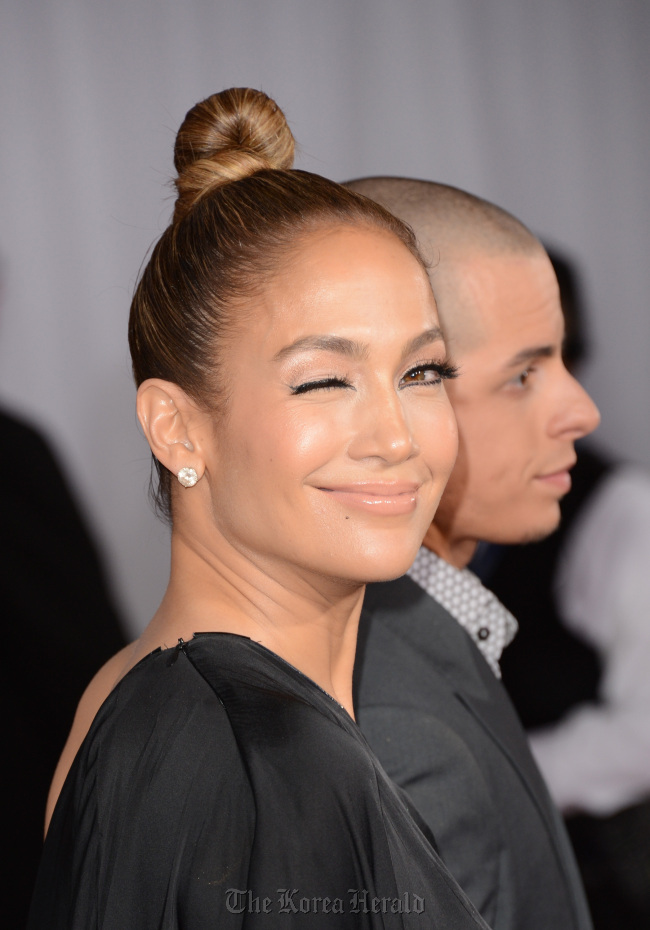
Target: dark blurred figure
{"x": 578, "y": 670}
{"x": 61, "y": 626}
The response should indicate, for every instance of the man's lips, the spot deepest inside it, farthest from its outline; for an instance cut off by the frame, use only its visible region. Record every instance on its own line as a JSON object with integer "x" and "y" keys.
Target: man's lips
{"x": 559, "y": 478}
{"x": 380, "y": 498}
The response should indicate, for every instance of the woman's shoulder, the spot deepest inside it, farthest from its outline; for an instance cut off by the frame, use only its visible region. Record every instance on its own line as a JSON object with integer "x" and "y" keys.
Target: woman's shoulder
{"x": 159, "y": 721}
{"x": 125, "y": 699}
{"x": 91, "y": 700}
{"x": 156, "y": 811}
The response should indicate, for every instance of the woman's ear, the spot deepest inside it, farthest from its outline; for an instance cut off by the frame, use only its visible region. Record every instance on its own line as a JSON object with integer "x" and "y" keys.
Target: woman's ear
{"x": 168, "y": 418}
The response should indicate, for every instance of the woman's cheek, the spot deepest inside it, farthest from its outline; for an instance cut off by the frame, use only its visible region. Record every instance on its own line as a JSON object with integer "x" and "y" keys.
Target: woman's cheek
{"x": 319, "y": 436}
{"x": 437, "y": 436}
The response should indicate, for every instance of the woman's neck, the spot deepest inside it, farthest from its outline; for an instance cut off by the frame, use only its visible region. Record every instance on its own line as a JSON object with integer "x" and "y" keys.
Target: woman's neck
{"x": 308, "y": 620}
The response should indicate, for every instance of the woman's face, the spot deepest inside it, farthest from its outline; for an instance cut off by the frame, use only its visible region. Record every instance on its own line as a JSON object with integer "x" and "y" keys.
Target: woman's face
{"x": 338, "y": 437}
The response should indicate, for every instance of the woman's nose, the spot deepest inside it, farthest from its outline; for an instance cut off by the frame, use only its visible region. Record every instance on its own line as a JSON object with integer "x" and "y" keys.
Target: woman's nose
{"x": 382, "y": 430}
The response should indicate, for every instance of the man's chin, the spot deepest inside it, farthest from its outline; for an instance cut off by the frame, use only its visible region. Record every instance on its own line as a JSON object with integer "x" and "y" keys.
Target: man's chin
{"x": 538, "y": 532}
{"x": 536, "y": 536}
{"x": 530, "y": 532}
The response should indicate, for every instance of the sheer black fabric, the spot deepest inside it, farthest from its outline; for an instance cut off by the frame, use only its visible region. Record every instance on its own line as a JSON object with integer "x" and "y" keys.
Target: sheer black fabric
{"x": 220, "y": 788}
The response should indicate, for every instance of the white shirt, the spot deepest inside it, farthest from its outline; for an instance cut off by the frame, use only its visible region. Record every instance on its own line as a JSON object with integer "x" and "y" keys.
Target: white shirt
{"x": 597, "y": 758}
{"x": 460, "y": 592}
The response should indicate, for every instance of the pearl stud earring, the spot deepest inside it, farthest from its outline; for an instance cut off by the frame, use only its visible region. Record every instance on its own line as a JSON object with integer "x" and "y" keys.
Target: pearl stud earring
{"x": 187, "y": 477}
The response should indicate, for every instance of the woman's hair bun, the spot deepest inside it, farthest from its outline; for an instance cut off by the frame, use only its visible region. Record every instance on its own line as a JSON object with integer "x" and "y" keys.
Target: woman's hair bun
{"x": 226, "y": 137}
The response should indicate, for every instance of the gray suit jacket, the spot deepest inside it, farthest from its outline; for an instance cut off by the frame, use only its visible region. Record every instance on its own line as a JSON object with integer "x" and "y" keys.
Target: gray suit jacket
{"x": 444, "y": 729}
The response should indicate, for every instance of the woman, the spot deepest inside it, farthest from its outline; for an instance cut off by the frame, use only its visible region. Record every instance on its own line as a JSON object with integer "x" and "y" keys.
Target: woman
{"x": 289, "y": 367}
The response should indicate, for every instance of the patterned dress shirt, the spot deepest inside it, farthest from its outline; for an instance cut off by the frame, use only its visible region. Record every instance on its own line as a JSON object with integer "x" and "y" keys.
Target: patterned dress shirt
{"x": 477, "y": 610}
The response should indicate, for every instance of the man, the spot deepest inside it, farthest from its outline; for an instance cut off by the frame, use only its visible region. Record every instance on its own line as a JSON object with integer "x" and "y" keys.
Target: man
{"x": 577, "y": 670}
{"x": 428, "y": 695}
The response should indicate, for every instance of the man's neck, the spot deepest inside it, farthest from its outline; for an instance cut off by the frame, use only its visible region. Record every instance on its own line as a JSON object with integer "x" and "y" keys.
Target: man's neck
{"x": 458, "y": 552}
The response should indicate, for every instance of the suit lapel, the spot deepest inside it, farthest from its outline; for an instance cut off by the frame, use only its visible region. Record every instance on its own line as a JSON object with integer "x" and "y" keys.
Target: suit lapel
{"x": 432, "y": 631}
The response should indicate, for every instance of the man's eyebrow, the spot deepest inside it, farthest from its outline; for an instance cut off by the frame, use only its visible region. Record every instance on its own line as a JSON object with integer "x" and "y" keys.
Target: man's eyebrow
{"x": 348, "y": 347}
{"x": 528, "y": 355}
{"x": 338, "y": 344}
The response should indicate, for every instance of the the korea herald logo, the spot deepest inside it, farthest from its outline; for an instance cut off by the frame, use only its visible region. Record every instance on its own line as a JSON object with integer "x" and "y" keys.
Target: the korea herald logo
{"x": 290, "y": 901}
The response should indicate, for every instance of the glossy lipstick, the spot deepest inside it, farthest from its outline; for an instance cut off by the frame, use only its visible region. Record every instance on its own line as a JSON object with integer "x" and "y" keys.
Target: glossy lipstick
{"x": 381, "y": 498}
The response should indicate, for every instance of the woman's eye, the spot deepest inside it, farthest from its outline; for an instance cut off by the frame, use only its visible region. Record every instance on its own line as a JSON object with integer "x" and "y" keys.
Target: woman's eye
{"x": 323, "y": 384}
{"x": 432, "y": 373}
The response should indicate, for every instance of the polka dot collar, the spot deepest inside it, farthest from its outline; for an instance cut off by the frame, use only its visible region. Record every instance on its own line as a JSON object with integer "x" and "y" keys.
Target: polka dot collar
{"x": 477, "y": 610}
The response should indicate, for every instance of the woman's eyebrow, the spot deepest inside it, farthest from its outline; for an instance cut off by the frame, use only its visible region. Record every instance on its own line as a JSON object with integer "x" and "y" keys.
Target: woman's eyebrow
{"x": 338, "y": 344}
{"x": 349, "y": 347}
{"x": 424, "y": 339}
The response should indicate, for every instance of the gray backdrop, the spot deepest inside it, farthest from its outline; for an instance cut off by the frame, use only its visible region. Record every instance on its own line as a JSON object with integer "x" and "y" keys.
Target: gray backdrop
{"x": 542, "y": 107}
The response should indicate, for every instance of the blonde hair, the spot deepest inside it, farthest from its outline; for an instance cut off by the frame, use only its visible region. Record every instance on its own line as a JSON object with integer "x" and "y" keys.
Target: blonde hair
{"x": 241, "y": 210}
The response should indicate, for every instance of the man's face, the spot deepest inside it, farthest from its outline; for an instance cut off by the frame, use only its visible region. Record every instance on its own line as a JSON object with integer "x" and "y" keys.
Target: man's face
{"x": 518, "y": 409}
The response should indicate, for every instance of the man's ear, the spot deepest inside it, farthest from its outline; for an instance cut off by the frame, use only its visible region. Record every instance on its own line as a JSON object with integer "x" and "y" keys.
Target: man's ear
{"x": 168, "y": 418}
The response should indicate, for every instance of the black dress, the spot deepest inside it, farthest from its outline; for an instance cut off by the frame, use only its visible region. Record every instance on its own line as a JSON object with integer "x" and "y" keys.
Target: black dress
{"x": 219, "y": 787}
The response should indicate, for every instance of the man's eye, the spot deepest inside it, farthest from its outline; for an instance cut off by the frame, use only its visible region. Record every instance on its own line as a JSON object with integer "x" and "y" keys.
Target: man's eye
{"x": 323, "y": 384}
{"x": 523, "y": 376}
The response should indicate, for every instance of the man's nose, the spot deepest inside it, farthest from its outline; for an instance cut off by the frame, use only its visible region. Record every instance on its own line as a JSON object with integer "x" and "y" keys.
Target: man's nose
{"x": 577, "y": 414}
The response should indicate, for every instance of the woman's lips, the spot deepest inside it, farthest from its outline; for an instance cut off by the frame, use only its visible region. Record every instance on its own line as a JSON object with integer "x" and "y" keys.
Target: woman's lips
{"x": 391, "y": 499}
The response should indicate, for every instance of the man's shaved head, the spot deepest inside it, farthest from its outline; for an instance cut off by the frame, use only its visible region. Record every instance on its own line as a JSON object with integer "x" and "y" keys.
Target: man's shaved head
{"x": 451, "y": 227}
{"x": 442, "y": 215}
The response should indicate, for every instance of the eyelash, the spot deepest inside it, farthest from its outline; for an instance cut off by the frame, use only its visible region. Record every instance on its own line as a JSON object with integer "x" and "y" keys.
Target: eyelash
{"x": 323, "y": 384}
{"x": 445, "y": 370}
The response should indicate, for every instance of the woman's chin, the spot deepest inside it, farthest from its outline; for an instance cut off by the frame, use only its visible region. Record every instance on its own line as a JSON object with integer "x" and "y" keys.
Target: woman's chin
{"x": 384, "y": 569}
{"x": 389, "y": 573}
